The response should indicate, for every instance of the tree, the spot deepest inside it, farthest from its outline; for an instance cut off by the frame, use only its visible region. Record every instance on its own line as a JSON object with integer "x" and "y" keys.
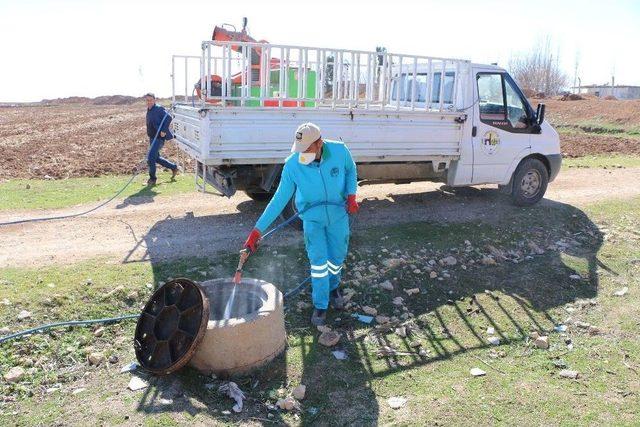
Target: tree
{"x": 538, "y": 71}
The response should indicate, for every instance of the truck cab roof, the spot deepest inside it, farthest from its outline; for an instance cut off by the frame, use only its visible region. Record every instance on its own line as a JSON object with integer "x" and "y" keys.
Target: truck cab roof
{"x": 489, "y": 67}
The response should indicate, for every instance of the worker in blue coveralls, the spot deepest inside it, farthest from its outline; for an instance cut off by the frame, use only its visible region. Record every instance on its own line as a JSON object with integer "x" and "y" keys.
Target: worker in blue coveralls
{"x": 157, "y": 117}
{"x": 317, "y": 171}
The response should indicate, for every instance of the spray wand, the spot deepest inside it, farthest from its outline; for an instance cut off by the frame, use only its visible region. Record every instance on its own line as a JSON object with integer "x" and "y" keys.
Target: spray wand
{"x": 244, "y": 255}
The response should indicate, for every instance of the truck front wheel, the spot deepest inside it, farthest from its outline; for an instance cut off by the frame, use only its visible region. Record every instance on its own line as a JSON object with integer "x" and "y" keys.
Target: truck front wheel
{"x": 530, "y": 182}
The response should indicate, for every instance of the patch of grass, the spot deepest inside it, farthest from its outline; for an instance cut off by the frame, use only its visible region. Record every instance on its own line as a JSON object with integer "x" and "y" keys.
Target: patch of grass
{"x": 599, "y": 127}
{"x": 53, "y": 194}
{"x": 449, "y": 319}
{"x": 610, "y": 161}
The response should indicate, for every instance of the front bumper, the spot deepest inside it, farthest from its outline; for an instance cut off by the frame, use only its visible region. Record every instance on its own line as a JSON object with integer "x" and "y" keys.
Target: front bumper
{"x": 555, "y": 161}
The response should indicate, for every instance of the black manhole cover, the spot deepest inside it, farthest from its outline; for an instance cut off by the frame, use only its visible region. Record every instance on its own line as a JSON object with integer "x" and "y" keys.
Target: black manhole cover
{"x": 171, "y": 326}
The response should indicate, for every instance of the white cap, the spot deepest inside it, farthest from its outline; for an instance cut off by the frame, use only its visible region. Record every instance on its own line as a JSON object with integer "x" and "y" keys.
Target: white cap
{"x": 306, "y": 134}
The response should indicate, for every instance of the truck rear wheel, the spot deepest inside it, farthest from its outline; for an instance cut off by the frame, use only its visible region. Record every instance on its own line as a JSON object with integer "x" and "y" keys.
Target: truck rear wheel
{"x": 259, "y": 196}
{"x": 530, "y": 182}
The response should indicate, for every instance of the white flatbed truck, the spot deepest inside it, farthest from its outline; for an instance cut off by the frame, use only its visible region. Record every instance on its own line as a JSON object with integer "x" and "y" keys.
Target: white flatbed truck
{"x": 405, "y": 118}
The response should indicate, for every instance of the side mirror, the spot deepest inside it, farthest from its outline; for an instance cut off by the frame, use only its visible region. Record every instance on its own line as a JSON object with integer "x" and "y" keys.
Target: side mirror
{"x": 540, "y": 114}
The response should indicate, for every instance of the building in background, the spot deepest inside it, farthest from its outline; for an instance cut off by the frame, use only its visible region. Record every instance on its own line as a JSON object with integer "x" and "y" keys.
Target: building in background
{"x": 605, "y": 90}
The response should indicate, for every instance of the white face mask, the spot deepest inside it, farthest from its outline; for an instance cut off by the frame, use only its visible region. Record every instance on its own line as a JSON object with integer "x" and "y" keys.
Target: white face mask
{"x": 306, "y": 158}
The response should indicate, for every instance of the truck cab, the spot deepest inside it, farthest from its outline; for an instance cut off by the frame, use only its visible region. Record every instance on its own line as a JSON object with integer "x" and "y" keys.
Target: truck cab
{"x": 506, "y": 131}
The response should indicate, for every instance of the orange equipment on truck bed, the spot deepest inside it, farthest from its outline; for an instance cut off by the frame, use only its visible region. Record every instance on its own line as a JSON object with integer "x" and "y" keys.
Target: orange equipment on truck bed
{"x": 223, "y": 34}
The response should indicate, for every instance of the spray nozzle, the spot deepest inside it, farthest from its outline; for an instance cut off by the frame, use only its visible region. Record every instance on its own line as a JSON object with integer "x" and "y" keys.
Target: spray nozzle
{"x": 244, "y": 255}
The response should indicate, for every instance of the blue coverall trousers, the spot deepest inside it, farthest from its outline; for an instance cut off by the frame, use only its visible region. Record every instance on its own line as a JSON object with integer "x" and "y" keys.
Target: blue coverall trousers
{"x": 327, "y": 247}
{"x": 153, "y": 157}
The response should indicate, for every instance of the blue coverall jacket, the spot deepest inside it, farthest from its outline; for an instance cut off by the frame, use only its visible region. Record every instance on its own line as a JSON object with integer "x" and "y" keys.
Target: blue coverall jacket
{"x": 326, "y": 228}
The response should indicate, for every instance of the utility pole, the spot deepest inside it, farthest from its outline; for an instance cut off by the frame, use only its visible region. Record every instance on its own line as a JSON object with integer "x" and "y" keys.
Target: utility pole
{"x": 613, "y": 78}
{"x": 575, "y": 72}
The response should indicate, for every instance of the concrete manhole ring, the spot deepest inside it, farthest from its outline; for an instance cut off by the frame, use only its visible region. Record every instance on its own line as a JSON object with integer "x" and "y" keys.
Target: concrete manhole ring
{"x": 254, "y": 333}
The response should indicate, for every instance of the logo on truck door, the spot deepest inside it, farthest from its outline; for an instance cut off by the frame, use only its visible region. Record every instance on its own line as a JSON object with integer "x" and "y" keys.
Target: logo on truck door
{"x": 490, "y": 142}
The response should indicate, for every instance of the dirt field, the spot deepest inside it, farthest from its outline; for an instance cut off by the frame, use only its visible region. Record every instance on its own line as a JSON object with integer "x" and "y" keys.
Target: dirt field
{"x": 595, "y": 126}
{"x": 64, "y": 140}
{"x": 73, "y": 140}
{"x": 623, "y": 113}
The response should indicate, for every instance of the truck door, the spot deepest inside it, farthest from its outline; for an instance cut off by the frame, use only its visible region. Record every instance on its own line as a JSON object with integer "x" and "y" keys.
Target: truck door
{"x": 503, "y": 123}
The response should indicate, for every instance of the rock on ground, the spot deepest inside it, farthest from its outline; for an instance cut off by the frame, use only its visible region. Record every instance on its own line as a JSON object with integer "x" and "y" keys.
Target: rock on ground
{"x": 392, "y": 262}
{"x": 398, "y": 301}
{"x": 95, "y": 359}
{"x": 622, "y": 292}
{"x": 494, "y": 340}
{"x": 382, "y": 319}
{"x": 137, "y": 383}
{"x": 477, "y": 372}
{"x": 288, "y": 403}
{"x": 14, "y": 375}
{"x": 329, "y": 338}
{"x": 396, "y": 402}
{"x": 542, "y": 342}
{"x": 369, "y": 310}
{"x": 300, "y": 392}
{"x": 24, "y": 314}
{"x": 488, "y": 261}
{"x": 386, "y": 285}
{"x": 449, "y": 260}
{"x": 567, "y": 373}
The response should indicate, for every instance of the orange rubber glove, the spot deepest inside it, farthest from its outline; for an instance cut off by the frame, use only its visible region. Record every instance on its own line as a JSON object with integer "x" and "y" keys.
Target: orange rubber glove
{"x": 252, "y": 240}
{"x": 352, "y": 205}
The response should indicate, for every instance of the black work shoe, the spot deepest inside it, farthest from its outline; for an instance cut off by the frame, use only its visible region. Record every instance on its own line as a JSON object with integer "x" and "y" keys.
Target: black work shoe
{"x": 336, "y": 299}
{"x": 318, "y": 317}
{"x": 151, "y": 182}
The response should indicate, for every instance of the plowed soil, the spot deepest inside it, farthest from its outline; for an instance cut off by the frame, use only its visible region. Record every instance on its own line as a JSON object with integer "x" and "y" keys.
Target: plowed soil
{"x": 623, "y": 113}
{"x": 73, "y": 140}
{"x": 596, "y": 126}
{"x": 62, "y": 140}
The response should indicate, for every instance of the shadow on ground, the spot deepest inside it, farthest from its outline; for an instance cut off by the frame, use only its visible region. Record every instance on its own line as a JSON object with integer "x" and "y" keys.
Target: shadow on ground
{"x": 143, "y": 196}
{"x": 451, "y": 315}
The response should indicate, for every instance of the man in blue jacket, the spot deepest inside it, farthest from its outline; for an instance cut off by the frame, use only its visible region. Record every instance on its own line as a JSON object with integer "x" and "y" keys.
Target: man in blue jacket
{"x": 157, "y": 118}
{"x": 317, "y": 171}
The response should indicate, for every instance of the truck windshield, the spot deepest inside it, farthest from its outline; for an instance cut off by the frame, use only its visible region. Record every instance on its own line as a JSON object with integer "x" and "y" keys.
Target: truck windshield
{"x": 403, "y": 86}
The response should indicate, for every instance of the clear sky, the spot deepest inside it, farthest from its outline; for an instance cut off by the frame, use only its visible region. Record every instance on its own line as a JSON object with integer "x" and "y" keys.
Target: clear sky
{"x": 66, "y": 48}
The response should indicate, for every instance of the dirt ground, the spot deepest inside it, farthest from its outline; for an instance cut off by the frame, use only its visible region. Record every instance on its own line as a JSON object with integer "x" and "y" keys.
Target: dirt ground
{"x": 583, "y": 144}
{"x": 64, "y": 140}
{"x": 73, "y": 140}
{"x": 578, "y": 123}
{"x": 624, "y": 113}
{"x": 201, "y": 225}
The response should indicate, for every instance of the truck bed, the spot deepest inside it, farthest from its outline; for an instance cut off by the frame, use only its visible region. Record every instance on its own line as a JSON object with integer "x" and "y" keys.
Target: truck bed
{"x": 246, "y": 136}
